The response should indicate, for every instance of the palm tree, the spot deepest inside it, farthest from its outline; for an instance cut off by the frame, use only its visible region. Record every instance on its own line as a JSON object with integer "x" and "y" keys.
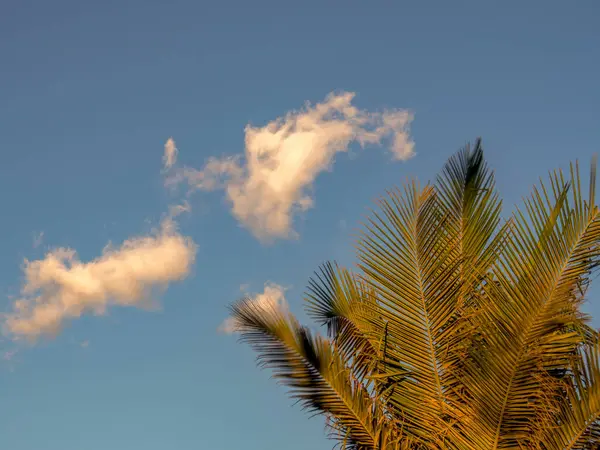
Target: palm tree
{"x": 458, "y": 330}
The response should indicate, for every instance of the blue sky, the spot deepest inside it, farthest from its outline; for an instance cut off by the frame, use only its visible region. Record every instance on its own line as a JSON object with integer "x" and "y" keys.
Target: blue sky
{"x": 91, "y": 91}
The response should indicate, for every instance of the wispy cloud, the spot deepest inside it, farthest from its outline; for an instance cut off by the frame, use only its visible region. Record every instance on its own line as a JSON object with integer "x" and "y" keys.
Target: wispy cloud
{"x": 176, "y": 210}
{"x": 272, "y": 182}
{"x": 170, "y": 154}
{"x": 60, "y": 287}
{"x": 271, "y": 299}
{"x": 38, "y": 239}
{"x": 9, "y": 354}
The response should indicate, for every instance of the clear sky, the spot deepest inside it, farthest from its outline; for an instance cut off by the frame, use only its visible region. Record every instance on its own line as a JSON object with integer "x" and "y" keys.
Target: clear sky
{"x": 90, "y": 92}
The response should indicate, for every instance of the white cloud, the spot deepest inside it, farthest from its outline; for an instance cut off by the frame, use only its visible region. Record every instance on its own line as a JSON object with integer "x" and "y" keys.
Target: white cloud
{"x": 283, "y": 159}
{"x": 61, "y": 287}
{"x": 271, "y": 299}
{"x": 170, "y": 155}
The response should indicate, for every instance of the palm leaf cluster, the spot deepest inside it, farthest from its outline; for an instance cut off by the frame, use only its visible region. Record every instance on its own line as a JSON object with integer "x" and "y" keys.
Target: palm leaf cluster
{"x": 457, "y": 330}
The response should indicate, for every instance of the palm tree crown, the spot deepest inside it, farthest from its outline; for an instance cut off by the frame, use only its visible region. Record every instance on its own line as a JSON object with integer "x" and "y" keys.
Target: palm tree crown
{"x": 458, "y": 330}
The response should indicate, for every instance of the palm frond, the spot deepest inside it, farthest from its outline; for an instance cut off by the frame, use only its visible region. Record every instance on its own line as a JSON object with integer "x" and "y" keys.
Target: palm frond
{"x": 471, "y": 207}
{"x": 339, "y": 300}
{"x": 316, "y": 375}
{"x": 406, "y": 257}
{"x": 578, "y": 424}
{"x": 468, "y": 198}
{"x": 551, "y": 251}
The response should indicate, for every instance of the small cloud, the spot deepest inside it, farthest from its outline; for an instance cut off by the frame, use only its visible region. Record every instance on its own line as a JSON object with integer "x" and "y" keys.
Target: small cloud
{"x": 176, "y": 210}
{"x": 84, "y": 344}
{"x": 38, "y": 239}
{"x": 272, "y": 298}
{"x": 61, "y": 287}
{"x": 272, "y": 183}
{"x": 244, "y": 287}
{"x": 170, "y": 155}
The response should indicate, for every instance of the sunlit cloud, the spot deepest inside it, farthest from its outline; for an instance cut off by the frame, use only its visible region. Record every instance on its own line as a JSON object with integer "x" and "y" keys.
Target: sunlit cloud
{"x": 60, "y": 287}
{"x": 170, "y": 154}
{"x": 270, "y": 300}
{"x": 271, "y": 182}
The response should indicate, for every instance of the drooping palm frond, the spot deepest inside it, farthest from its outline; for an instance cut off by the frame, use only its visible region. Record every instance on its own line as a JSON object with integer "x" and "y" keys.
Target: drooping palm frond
{"x": 341, "y": 302}
{"x": 315, "y": 373}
